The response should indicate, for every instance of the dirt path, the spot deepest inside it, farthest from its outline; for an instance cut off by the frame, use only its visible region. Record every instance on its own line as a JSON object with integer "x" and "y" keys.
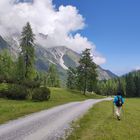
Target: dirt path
{"x": 49, "y": 124}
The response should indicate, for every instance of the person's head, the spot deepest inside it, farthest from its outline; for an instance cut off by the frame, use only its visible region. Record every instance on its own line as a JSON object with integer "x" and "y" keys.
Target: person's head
{"x": 119, "y": 93}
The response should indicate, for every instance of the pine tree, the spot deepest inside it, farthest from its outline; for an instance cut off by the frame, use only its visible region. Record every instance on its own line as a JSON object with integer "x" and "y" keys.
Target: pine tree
{"x": 28, "y": 53}
{"x": 86, "y": 72}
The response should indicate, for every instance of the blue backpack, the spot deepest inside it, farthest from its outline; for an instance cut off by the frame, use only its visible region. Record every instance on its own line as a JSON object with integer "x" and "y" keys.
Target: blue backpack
{"x": 119, "y": 101}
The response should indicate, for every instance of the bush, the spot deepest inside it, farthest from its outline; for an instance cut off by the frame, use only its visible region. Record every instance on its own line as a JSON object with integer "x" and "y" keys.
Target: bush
{"x": 3, "y": 90}
{"x": 2, "y": 78}
{"x": 6, "y": 79}
{"x": 17, "y": 92}
{"x": 41, "y": 94}
{"x": 31, "y": 84}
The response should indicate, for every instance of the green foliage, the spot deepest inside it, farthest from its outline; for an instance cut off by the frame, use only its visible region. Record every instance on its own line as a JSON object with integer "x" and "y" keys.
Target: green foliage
{"x": 86, "y": 72}
{"x": 7, "y": 66}
{"x": 72, "y": 78}
{"x": 53, "y": 77}
{"x": 111, "y": 87}
{"x": 133, "y": 84}
{"x": 84, "y": 78}
{"x": 20, "y": 76}
{"x": 27, "y": 56}
{"x": 17, "y": 92}
{"x": 12, "y": 91}
{"x": 20, "y": 68}
{"x": 42, "y": 77}
{"x": 41, "y": 94}
{"x": 3, "y": 90}
{"x": 129, "y": 85}
{"x": 31, "y": 84}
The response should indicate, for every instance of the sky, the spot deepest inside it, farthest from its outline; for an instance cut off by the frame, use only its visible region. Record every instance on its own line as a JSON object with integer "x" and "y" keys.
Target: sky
{"x": 114, "y": 27}
{"x": 110, "y": 28}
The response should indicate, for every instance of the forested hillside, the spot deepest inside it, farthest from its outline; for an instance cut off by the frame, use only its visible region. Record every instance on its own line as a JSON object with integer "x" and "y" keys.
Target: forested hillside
{"x": 128, "y": 84}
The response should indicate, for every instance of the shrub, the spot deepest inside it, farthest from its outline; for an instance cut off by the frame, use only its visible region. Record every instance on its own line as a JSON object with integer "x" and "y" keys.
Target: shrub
{"x": 2, "y": 78}
{"x": 31, "y": 84}
{"x": 17, "y": 92}
{"x": 3, "y": 90}
{"x": 41, "y": 94}
{"x": 6, "y": 79}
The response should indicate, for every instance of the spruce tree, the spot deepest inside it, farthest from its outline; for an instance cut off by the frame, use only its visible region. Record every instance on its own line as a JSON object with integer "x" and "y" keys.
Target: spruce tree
{"x": 86, "y": 72}
{"x": 28, "y": 53}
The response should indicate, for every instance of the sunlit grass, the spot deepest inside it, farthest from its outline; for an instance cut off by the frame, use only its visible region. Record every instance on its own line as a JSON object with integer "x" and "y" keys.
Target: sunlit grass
{"x": 99, "y": 123}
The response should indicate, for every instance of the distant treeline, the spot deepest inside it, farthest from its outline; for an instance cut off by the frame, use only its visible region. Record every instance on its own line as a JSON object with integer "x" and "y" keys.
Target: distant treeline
{"x": 128, "y": 84}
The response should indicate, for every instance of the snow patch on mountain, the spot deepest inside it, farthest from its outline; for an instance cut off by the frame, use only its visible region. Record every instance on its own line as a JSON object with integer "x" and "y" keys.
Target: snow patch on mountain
{"x": 51, "y": 61}
{"x": 58, "y": 55}
{"x": 62, "y": 62}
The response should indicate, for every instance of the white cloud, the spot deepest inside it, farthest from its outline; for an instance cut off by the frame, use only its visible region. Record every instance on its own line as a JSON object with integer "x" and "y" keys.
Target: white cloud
{"x": 137, "y": 68}
{"x": 58, "y": 24}
{"x": 99, "y": 60}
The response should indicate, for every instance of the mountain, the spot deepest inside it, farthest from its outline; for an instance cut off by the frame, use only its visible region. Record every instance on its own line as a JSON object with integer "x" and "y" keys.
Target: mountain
{"x": 61, "y": 56}
{"x": 3, "y": 44}
{"x": 105, "y": 74}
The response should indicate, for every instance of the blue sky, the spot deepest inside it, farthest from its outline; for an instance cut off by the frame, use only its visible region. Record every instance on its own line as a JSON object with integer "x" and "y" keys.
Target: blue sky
{"x": 114, "y": 27}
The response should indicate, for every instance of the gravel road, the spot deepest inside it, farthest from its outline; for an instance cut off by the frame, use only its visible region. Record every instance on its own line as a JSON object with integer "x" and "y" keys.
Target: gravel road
{"x": 49, "y": 124}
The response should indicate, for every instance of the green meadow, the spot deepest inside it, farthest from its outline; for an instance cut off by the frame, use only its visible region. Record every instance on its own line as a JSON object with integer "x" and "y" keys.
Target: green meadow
{"x": 99, "y": 123}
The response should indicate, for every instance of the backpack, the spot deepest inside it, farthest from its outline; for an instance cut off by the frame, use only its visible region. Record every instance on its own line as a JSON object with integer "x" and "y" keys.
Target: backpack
{"x": 119, "y": 101}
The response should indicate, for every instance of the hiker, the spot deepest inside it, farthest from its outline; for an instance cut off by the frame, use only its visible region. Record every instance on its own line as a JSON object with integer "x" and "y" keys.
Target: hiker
{"x": 118, "y": 103}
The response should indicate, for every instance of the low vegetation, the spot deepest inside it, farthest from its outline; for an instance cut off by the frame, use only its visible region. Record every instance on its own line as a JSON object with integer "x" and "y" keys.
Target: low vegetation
{"x": 23, "y": 92}
{"x": 99, "y": 123}
{"x": 41, "y": 94}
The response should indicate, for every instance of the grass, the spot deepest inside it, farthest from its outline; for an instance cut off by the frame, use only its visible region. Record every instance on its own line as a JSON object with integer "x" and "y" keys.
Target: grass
{"x": 99, "y": 124}
{"x": 11, "y": 109}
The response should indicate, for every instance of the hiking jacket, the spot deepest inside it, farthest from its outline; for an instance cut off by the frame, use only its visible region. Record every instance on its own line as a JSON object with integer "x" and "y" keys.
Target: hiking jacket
{"x": 116, "y": 99}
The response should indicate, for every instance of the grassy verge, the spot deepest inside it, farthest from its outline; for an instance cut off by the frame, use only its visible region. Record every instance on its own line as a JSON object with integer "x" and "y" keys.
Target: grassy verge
{"x": 11, "y": 109}
{"x": 99, "y": 124}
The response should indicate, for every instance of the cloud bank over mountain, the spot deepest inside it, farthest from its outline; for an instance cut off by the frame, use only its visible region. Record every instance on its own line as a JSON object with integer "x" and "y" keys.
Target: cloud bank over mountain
{"x": 60, "y": 25}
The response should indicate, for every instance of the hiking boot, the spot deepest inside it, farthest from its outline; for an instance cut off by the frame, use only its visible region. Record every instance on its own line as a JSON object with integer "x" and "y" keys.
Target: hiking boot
{"x": 118, "y": 117}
